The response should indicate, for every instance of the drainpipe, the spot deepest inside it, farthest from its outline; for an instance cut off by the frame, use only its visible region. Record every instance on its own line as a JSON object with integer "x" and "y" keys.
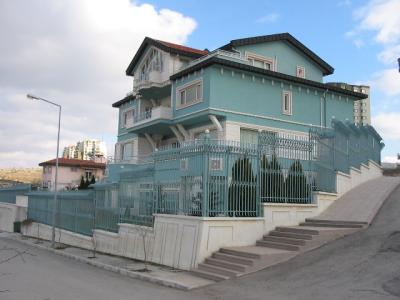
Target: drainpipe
{"x": 323, "y": 110}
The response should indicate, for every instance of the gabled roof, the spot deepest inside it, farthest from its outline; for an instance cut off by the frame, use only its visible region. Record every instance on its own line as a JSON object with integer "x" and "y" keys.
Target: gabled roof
{"x": 213, "y": 60}
{"x": 68, "y": 162}
{"x": 165, "y": 46}
{"x": 327, "y": 69}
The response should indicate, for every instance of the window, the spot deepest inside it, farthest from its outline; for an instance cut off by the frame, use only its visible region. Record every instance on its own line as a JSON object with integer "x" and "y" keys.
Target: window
{"x": 248, "y": 136}
{"x": 287, "y": 103}
{"x": 74, "y": 169}
{"x": 127, "y": 118}
{"x": 301, "y": 72}
{"x": 153, "y": 62}
{"x": 190, "y": 94}
{"x": 127, "y": 151}
{"x": 260, "y": 61}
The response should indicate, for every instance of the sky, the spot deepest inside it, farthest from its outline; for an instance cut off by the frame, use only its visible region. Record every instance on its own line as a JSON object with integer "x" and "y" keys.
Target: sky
{"x": 75, "y": 53}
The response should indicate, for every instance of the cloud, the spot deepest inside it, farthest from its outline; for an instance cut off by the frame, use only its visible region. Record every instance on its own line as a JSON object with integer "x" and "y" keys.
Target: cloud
{"x": 383, "y": 17}
{"x": 75, "y": 53}
{"x": 388, "y": 125}
{"x": 387, "y": 81}
{"x": 269, "y": 18}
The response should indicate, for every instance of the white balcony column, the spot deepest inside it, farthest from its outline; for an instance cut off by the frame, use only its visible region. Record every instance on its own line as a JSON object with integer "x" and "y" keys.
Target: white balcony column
{"x": 150, "y": 140}
{"x": 177, "y": 134}
{"x": 183, "y": 131}
{"x": 217, "y": 124}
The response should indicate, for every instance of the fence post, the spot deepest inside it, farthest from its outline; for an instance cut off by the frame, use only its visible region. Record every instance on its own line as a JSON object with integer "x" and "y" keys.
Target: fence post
{"x": 258, "y": 174}
{"x": 206, "y": 141}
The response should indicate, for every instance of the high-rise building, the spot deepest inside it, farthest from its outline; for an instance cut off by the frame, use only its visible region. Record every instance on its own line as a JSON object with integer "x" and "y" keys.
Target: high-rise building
{"x": 362, "y": 107}
{"x": 87, "y": 150}
{"x": 69, "y": 151}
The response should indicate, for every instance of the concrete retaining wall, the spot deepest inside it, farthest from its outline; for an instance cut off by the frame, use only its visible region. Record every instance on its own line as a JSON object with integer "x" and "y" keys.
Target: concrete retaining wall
{"x": 183, "y": 242}
{"x": 10, "y": 213}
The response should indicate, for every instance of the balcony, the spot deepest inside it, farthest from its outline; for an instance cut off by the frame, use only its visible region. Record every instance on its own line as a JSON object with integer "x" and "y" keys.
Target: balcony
{"x": 151, "y": 79}
{"x": 156, "y": 113}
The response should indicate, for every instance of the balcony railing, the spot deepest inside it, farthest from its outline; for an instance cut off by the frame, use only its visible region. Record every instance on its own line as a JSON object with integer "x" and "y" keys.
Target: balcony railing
{"x": 159, "y": 112}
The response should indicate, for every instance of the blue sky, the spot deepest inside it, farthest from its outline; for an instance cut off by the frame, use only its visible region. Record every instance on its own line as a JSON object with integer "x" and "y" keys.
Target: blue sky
{"x": 332, "y": 29}
{"x": 75, "y": 52}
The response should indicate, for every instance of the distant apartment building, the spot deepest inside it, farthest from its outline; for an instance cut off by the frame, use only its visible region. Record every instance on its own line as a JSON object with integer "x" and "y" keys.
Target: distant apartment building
{"x": 70, "y": 172}
{"x": 89, "y": 149}
{"x": 362, "y": 107}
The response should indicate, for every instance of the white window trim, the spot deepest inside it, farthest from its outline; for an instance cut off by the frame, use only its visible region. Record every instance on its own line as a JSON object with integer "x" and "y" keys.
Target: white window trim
{"x": 289, "y": 111}
{"x": 265, "y": 59}
{"x": 123, "y": 112}
{"x": 184, "y": 87}
{"x": 301, "y": 68}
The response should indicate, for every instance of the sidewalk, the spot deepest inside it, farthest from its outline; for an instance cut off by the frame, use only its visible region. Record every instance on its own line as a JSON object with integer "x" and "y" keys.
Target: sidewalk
{"x": 162, "y": 275}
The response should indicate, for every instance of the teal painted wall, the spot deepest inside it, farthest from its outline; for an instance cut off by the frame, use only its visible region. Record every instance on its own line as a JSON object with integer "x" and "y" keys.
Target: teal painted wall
{"x": 234, "y": 93}
{"x": 205, "y": 76}
{"x": 287, "y": 56}
{"x": 123, "y": 134}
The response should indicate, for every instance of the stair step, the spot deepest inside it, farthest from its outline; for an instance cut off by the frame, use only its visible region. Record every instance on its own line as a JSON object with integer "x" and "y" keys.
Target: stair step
{"x": 286, "y": 240}
{"x": 240, "y": 253}
{"x": 233, "y": 258}
{"x": 334, "y": 225}
{"x": 297, "y": 230}
{"x": 275, "y": 245}
{"x": 225, "y": 264}
{"x": 209, "y": 275}
{"x": 218, "y": 270}
{"x": 335, "y": 221}
{"x": 291, "y": 235}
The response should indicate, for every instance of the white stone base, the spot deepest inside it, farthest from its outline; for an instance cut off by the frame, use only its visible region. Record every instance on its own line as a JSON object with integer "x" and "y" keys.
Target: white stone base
{"x": 10, "y": 213}
{"x": 184, "y": 241}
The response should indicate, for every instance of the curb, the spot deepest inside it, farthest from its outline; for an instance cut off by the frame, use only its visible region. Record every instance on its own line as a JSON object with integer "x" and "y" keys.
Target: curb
{"x": 121, "y": 271}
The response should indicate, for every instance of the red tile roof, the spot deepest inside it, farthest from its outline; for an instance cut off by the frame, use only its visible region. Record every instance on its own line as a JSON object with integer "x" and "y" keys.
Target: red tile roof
{"x": 183, "y": 48}
{"x": 67, "y": 162}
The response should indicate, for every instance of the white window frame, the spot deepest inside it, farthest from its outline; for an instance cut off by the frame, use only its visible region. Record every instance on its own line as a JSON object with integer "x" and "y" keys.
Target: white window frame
{"x": 267, "y": 60}
{"x": 288, "y": 111}
{"x": 184, "y": 88}
{"x": 300, "y": 68}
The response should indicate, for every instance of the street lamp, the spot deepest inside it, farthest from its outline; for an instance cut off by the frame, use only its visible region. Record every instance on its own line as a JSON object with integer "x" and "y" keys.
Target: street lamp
{"x": 53, "y": 232}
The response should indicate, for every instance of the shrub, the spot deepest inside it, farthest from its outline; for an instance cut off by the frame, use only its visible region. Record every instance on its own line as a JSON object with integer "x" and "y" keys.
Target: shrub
{"x": 296, "y": 186}
{"x": 242, "y": 190}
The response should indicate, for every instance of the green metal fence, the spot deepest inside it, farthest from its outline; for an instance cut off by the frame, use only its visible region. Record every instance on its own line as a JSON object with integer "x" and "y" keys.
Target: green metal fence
{"x": 211, "y": 178}
{"x": 8, "y": 195}
{"x": 341, "y": 148}
{"x": 75, "y": 211}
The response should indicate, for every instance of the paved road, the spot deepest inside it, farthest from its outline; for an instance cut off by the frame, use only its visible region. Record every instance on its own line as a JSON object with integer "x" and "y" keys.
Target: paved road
{"x": 365, "y": 265}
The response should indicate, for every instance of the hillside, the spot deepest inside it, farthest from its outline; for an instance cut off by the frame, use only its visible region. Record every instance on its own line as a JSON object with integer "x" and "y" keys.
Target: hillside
{"x": 25, "y": 175}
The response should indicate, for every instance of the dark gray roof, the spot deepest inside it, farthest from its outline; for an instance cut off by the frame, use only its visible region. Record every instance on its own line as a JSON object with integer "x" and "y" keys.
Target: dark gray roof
{"x": 249, "y": 68}
{"x": 327, "y": 69}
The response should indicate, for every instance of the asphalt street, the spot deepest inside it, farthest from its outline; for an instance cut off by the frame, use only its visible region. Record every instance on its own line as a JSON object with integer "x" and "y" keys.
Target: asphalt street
{"x": 365, "y": 265}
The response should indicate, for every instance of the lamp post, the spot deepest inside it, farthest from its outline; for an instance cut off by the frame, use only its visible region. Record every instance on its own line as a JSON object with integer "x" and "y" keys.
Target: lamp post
{"x": 53, "y": 232}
